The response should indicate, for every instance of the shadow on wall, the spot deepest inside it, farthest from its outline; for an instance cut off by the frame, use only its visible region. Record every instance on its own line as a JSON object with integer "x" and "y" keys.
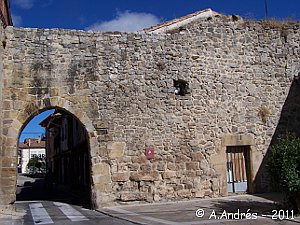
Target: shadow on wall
{"x": 289, "y": 122}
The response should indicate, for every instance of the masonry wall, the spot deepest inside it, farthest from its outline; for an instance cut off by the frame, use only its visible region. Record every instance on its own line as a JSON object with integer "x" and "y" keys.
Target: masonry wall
{"x": 1, "y": 100}
{"x": 120, "y": 86}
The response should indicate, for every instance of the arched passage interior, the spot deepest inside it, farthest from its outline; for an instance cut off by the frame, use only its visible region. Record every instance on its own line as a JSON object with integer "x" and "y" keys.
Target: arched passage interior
{"x": 68, "y": 163}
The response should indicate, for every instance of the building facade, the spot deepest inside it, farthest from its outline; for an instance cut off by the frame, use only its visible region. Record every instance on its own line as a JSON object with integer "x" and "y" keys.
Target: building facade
{"x": 168, "y": 115}
{"x": 67, "y": 151}
{"x": 29, "y": 149}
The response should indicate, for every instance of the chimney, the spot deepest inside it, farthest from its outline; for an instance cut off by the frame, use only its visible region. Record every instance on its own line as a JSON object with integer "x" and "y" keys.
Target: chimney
{"x": 29, "y": 142}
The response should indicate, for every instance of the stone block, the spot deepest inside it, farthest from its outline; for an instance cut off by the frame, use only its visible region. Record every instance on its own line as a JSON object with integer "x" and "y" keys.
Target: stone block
{"x": 184, "y": 193}
{"x": 171, "y": 166}
{"x": 131, "y": 196}
{"x": 144, "y": 176}
{"x": 9, "y": 172}
{"x": 204, "y": 164}
{"x": 8, "y": 181}
{"x": 12, "y": 142}
{"x": 182, "y": 159}
{"x": 101, "y": 179}
{"x": 10, "y": 151}
{"x": 120, "y": 177}
{"x": 103, "y": 187}
{"x": 133, "y": 166}
{"x": 156, "y": 198}
{"x": 169, "y": 174}
{"x": 178, "y": 187}
{"x": 8, "y": 190}
{"x": 54, "y": 92}
{"x": 104, "y": 199}
{"x": 192, "y": 166}
{"x": 193, "y": 143}
{"x": 180, "y": 166}
{"x": 101, "y": 168}
{"x": 161, "y": 166}
{"x": 116, "y": 150}
{"x": 140, "y": 159}
{"x": 197, "y": 156}
{"x": 199, "y": 194}
{"x": 146, "y": 167}
{"x": 8, "y": 161}
{"x": 102, "y": 151}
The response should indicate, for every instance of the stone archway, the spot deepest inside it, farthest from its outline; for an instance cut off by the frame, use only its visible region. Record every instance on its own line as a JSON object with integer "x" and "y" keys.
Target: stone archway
{"x": 17, "y": 121}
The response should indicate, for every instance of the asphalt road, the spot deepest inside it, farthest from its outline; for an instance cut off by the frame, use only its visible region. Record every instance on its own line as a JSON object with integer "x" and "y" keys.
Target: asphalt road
{"x": 49, "y": 212}
{"x": 37, "y": 205}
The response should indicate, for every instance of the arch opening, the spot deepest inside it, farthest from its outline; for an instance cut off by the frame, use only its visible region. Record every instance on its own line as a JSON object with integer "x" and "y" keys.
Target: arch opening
{"x": 66, "y": 176}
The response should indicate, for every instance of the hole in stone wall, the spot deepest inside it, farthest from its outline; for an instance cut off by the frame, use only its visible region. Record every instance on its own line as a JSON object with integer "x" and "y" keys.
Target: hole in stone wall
{"x": 181, "y": 87}
{"x": 102, "y": 131}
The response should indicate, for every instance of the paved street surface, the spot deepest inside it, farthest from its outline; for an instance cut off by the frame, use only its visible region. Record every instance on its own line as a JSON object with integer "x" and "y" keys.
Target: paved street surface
{"x": 227, "y": 210}
{"x": 48, "y": 212}
{"x": 36, "y": 205}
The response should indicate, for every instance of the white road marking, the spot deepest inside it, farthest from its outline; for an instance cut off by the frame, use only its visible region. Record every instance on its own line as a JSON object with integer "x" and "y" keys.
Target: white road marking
{"x": 39, "y": 214}
{"x": 70, "y": 212}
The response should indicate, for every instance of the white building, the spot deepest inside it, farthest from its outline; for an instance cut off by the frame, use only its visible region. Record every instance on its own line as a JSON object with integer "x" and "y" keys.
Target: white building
{"x": 30, "y": 148}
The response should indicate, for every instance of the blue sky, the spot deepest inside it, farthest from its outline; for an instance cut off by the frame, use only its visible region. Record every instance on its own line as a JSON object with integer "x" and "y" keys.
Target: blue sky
{"x": 130, "y": 15}
{"x": 33, "y": 129}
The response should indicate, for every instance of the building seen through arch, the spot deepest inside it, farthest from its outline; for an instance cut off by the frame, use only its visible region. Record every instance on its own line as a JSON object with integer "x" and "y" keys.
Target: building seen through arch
{"x": 67, "y": 153}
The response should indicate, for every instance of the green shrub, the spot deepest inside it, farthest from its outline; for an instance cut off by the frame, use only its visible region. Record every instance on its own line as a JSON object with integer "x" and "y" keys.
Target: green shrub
{"x": 34, "y": 164}
{"x": 283, "y": 165}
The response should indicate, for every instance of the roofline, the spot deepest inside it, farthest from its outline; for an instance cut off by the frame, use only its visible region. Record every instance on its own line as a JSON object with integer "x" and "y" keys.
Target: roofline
{"x": 34, "y": 147}
{"x": 180, "y": 20}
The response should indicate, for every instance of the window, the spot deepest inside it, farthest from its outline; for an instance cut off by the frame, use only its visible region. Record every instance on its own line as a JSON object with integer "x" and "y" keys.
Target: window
{"x": 181, "y": 87}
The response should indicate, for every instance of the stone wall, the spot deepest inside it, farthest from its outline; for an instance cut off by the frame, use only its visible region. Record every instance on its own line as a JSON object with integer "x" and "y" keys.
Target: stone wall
{"x": 121, "y": 87}
{"x": 1, "y": 102}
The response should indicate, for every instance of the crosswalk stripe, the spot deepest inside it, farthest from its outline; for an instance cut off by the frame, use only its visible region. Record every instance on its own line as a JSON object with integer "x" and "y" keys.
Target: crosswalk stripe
{"x": 39, "y": 214}
{"x": 70, "y": 212}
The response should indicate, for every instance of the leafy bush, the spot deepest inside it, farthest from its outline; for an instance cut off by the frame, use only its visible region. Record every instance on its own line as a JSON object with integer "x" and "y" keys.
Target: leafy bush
{"x": 283, "y": 165}
{"x": 34, "y": 164}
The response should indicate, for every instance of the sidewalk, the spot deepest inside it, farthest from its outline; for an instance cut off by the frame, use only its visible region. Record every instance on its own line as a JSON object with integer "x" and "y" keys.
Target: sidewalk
{"x": 9, "y": 216}
{"x": 192, "y": 212}
{"x": 209, "y": 211}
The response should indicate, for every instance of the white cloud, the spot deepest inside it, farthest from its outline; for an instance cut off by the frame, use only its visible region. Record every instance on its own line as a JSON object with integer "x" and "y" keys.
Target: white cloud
{"x": 17, "y": 20}
{"x": 24, "y": 4}
{"x": 126, "y": 21}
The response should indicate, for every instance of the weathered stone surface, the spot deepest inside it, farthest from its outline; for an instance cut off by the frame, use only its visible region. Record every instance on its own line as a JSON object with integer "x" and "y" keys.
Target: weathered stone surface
{"x": 192, "y": 166}
{"x": 199, "y": 194}
{"x": 121, "y": 87}
{"x": 144, "y": 176}
{"x": 120, "y": 177}
{"x": 161, "y": 166}
{"x": 103, "y": 187}
{"x": 197, "y": 156}
{"x": 184, "y": 193}
{"x": 131, "y": 196}
{"x": 116, "y": 150}
{"x": 169, "y": 174}
{"x": 101, "y": 169}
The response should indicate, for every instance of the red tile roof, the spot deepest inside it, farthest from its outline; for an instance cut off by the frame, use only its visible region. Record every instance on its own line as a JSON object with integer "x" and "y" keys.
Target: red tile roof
{"x": 32, "y": 143}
